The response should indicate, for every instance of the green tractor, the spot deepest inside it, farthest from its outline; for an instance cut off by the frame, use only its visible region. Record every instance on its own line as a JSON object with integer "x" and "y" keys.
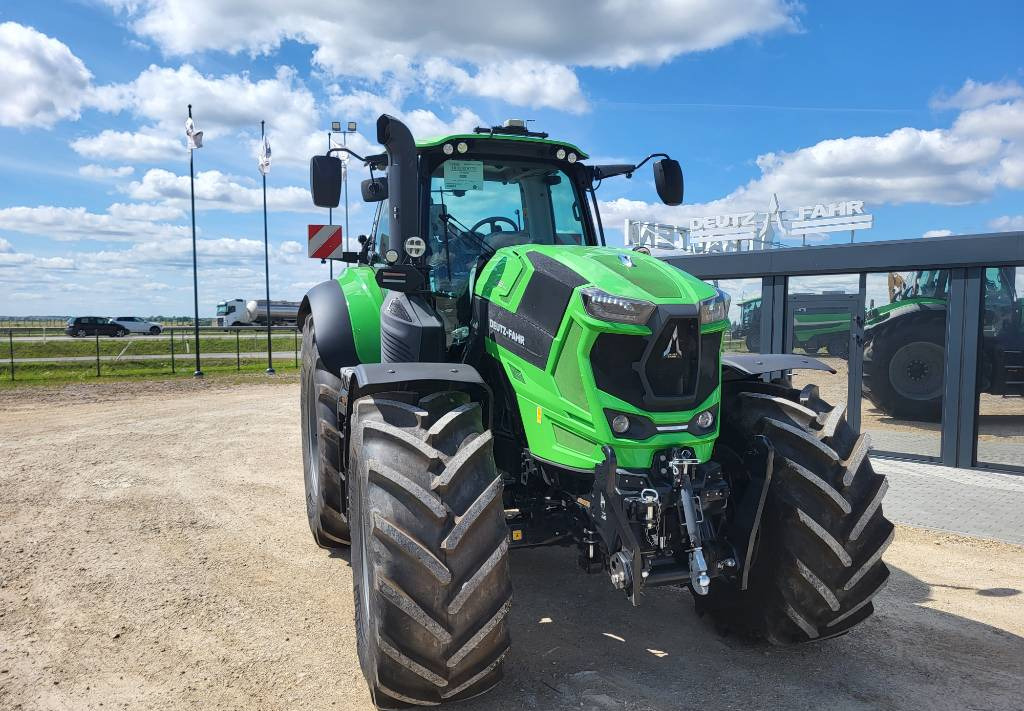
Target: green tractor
{"x": 486, "y": 375}
{"x": 905, "y": 343}
{"x": 814, "y": 326}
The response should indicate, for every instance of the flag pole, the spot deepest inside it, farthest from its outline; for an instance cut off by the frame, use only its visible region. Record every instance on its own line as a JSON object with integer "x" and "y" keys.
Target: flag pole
{"x": 195, "y": 270}
{"x": 344, "y": 142}
{"x": 266, "y": 256}
{"x": 330, "y": 212}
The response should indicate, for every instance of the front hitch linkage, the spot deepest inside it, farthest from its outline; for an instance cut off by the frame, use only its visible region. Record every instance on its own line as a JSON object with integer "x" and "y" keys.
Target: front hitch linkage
{"x": 699, "y": 578}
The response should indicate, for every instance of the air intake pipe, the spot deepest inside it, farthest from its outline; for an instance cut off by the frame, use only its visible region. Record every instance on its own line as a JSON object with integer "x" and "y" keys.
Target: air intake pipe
{"x": 403, "y": 183}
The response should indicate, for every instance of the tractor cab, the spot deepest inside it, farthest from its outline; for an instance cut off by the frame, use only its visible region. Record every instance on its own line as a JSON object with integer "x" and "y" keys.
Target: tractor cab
{"x": 447, "y": 205}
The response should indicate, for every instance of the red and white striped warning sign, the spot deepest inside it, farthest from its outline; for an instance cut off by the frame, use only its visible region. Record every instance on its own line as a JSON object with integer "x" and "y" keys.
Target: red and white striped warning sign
{"x": 325, "y": 242}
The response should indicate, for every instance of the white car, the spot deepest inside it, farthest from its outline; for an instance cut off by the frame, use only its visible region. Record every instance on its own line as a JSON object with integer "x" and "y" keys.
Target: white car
{"x": 134, "y": 324}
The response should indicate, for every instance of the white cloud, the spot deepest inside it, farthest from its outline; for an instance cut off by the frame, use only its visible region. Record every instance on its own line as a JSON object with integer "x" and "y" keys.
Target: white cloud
{"x": 42, "y": 81}
{"x": 938, "y": 233}
{"x": 221, "y": 105}
{"x": 1002, "y": 121}
{"x": 974, "y": 94}
{"x": 216, "y": 190}
{"x": 98, "y": 172}
{"x": 5, "y": 246}
{"x": 524, "y": 82}
{"x": 24, "y": 261}
{"x": 1007, "y": 223}
{"x": 426, "y": 123}
{"x": 359, "y": 35}
{"x": 146, "y": 146}
{"x": 525, "y": 56}
{"x": 980, "y": 153}
{"x": 71, "y": 224}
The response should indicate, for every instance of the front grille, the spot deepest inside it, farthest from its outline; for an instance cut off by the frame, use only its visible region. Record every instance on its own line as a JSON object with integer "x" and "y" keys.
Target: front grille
{"x": 679, "y": 366}
{"x": 672, "y": 364}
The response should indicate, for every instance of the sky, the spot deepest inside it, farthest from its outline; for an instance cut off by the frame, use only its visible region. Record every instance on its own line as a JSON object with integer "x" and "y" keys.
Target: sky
{"x": 915, "y": 108}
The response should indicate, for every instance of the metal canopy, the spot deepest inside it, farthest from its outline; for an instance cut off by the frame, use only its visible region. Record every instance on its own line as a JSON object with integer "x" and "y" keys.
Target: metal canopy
{"x": 980, "y": 250}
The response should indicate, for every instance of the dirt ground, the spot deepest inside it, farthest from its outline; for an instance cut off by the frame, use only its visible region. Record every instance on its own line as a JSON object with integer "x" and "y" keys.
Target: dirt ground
{"x": 154, "y": 553}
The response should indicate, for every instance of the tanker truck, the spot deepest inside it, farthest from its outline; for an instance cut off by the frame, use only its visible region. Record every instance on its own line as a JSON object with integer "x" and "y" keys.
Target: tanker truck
{"x": 239, "y": 312}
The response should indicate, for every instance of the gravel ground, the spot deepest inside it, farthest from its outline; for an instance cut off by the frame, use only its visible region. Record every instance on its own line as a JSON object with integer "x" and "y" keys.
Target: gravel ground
{"x": 154, "y": 553}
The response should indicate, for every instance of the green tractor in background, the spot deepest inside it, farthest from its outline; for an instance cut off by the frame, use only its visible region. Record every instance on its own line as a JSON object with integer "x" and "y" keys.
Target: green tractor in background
{"x": 905, "y": 343}
{"x": 814, "y": 326}
{"x": 486, "y": 375}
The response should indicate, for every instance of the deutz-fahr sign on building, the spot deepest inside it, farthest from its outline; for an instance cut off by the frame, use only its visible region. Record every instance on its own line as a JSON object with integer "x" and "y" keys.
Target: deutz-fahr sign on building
{"x": 744, "y": 231}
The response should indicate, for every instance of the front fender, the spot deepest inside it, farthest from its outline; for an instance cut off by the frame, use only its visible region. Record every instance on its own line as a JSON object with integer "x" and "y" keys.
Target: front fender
{"x": 334, "y": 339}
{"x": 346, "y": 314}
{"x": 740, "y": 366}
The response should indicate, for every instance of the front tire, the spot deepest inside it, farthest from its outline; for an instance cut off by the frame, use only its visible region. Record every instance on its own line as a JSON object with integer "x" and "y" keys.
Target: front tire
{"x": 326, "y": 503}
{"x": 818, "y": 559}
{"x": 429, "y": 551}
{"x": 154, "y": 331}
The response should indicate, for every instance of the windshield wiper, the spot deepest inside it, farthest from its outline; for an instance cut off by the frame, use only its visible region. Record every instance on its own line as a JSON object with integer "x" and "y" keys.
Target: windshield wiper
{"x": 468, "y": 233}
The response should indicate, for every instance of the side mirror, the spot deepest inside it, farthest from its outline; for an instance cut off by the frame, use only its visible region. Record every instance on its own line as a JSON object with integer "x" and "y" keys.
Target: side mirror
{"x": 375, "y": 189}
{"x": 325, "y": 180}
{"x": 668, "y": 179}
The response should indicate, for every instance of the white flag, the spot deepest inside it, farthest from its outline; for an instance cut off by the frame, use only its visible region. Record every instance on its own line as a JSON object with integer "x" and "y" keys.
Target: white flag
{"x": 194, "y": 138}
{"x": 264, "y": 156}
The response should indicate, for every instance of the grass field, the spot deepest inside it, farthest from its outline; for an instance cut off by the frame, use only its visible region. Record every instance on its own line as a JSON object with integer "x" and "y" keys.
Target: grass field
{"x": 57, "y": 373}
{"x": 184, "y": 345}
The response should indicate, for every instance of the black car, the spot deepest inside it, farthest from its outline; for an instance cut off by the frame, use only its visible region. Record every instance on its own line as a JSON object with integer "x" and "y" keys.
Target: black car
{"x": 91, "y": 325}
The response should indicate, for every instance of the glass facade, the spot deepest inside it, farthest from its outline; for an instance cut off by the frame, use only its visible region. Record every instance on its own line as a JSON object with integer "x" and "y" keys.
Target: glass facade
{"x": 904, "y": 360}
{"x": 744, "y": 333}
{"x": 819, "y": 314}
{"x": 1000, "y": 380}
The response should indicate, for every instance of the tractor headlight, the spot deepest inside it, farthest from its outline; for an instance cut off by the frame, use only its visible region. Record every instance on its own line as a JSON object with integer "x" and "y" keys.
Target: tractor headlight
{"x": 715, "y": 309}
{"x": 600, "y": 304}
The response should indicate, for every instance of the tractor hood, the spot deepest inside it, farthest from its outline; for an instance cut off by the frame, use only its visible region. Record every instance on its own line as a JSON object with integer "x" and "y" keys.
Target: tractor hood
{"x": 623, "y": 272}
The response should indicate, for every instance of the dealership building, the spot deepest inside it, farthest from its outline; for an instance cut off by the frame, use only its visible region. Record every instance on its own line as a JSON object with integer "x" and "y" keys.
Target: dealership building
{"x": 926, "y": 336}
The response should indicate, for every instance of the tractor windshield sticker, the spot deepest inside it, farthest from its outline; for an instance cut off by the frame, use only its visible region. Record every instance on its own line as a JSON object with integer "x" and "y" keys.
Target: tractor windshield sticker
{"x": 464, "y": 175}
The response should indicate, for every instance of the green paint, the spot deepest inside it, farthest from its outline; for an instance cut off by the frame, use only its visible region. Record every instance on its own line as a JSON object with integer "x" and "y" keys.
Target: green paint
{"x": 571, "y": 426}
{"x": 364, "y": 297}
{"x": 435, "y": 142}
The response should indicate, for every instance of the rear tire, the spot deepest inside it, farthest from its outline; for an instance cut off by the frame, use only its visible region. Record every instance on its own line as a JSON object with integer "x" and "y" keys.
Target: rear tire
{"x": 429, "y": 551}
{"x": 326, "y": 503}
{"x": 904, "y": 370}
{"x": 818, "y": 559}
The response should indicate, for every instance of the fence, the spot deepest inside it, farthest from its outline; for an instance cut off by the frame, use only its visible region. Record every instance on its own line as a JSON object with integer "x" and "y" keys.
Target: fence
{"x": 38, "y": 354}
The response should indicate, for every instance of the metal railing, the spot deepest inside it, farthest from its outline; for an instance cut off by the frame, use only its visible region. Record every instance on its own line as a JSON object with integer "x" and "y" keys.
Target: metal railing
{"x": 37, "y": 353}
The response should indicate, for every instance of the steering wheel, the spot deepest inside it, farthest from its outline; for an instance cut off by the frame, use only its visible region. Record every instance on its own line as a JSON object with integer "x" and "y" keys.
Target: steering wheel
{"x": 493, "y": 222}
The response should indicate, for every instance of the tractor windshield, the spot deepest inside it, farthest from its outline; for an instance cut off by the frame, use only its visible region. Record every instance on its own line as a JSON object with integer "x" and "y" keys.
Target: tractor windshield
{"x": 479, "y": 206}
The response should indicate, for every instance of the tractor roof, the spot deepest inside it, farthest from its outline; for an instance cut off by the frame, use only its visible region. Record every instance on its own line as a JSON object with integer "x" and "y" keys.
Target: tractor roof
{"x": 512, "y": 130}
